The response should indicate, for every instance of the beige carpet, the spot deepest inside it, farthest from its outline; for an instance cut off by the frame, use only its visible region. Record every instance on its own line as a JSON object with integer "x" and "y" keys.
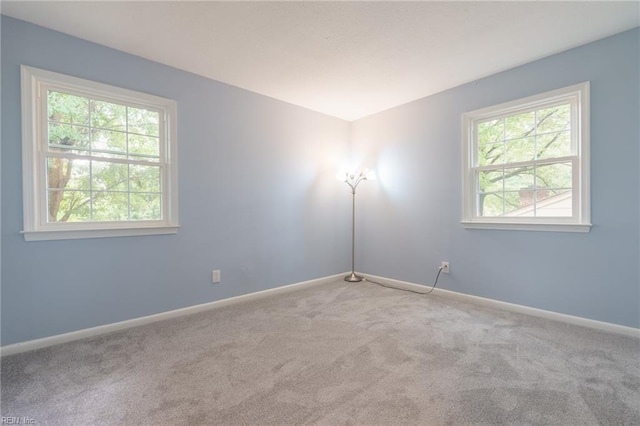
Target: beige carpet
{"x": 331, "y": 355}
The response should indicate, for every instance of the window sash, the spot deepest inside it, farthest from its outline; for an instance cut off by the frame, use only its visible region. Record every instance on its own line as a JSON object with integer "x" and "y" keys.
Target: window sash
{"x": 575, "y": 186}
{"x": 46, "y": 152}
{"x": 572, "y": 101}
{"x": 45, "y": 214}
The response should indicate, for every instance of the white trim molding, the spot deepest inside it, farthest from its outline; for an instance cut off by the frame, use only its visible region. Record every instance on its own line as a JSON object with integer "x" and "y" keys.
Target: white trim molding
{"x": 76, "y": 234}
{"x": 123, "y": 325}
{"x": 36, "y": 85}
{"x": 512, "y": 307}
{"x": 526, "y": 218}
{"x": 524, "y": 226}
{"x": 44, "y": 342}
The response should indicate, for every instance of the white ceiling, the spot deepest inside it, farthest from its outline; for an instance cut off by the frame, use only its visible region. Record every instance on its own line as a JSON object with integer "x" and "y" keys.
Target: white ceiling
{"x": 346, "y": 59}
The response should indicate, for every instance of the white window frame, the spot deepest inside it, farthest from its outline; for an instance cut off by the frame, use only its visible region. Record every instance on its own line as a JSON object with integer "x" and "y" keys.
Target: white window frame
{"x": 35, "y": 83}
{"x": 580, "y": 221}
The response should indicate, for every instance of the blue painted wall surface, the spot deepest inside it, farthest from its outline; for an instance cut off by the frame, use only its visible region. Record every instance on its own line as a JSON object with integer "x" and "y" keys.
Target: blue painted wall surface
{"x": 258, "y": 199}
{"x": 410, "y": 220}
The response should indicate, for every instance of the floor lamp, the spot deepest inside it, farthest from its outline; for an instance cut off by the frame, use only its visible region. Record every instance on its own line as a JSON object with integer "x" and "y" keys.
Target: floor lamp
{"x": 353, "y": 180}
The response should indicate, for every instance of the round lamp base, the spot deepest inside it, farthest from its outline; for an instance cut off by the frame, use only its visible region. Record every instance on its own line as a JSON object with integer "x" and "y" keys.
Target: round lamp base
{"x": 353, "y": 278}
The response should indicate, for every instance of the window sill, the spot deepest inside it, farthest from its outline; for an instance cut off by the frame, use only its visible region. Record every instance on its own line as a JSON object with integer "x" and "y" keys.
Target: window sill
{"x": 548, "y": 227}
{"x": 75, "y": 234}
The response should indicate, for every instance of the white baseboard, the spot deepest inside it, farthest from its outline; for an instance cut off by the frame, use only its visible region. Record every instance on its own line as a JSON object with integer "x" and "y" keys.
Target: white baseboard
{"x": 110, "y": 328}
{"x": 541, "y": 313}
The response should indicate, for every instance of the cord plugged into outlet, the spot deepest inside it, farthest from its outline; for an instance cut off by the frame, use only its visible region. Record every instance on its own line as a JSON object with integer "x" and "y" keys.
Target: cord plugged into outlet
{"x": 441, "y": 269}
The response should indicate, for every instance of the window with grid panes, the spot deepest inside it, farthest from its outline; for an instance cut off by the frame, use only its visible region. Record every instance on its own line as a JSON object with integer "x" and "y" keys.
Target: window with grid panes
{"x": 98, "y": 160}
{"x": 526, "y": 163}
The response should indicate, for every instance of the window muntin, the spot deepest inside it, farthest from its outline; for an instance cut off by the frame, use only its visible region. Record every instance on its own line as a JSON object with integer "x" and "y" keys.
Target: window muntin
{"x": 527, "y": 162}
{"x": 103, "y": 160}
{"x": 96, "y": 157}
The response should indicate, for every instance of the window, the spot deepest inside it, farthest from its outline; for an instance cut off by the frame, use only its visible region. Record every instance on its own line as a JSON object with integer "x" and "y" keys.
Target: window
{"x": 526, "y": 163}
{"x": 98, "y": 160}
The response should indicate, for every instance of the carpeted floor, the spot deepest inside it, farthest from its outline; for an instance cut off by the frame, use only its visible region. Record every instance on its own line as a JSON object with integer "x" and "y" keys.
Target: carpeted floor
{"x": 334, "y": 354}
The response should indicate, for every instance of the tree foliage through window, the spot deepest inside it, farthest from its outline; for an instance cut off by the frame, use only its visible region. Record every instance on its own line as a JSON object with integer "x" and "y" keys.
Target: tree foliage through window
{"x": 103, "y": 160}
{"x": 516, "y": 158}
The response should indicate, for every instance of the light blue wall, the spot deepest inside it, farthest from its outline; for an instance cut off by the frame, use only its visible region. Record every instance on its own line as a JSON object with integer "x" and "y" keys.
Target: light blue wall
{"x": 258, "y": 199}
{"x": 410, "y": 220}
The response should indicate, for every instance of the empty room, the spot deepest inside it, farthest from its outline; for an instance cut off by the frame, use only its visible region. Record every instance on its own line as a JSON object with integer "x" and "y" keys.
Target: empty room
{"x": 320, "y": 213}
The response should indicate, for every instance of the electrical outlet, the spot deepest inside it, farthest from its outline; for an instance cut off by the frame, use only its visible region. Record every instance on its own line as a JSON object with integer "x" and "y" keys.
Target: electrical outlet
{"x": 215, "y": 276}
{"x": 445, "y": 267}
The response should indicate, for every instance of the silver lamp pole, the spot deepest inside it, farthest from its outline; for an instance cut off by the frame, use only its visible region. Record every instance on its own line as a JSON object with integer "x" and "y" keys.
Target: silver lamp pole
{"x": 353, "y": 180}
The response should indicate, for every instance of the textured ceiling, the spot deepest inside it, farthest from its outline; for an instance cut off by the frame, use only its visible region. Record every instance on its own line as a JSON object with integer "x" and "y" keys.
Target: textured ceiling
{"x": 346, "y": 59}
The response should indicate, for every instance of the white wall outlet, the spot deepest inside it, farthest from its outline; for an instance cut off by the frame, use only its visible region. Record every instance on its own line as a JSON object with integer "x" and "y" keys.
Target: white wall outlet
{"x": 445, "y": 267}
{"x": 215, "y": 276}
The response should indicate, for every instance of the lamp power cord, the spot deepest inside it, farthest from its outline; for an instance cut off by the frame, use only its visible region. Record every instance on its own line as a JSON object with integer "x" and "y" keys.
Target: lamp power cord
{"x": 406, "y": 289}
